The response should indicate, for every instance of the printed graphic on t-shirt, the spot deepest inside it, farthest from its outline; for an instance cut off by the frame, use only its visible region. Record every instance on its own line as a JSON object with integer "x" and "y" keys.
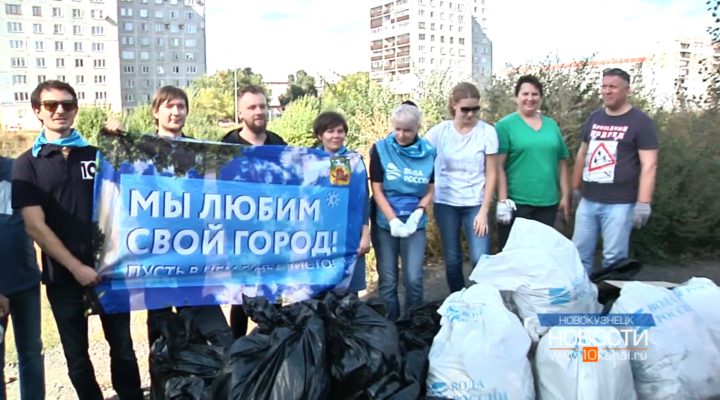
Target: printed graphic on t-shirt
{"x": 602, "y": 156}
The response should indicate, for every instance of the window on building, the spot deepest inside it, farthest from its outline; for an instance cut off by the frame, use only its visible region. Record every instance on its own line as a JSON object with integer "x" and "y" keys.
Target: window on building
{"x": 190, "y": 28}
{"x": 39, "y": 45}
{"x": 461, "y": 40}
{"x": 99, "y": 64}
{"x": 81, "y": 95}
{"x": 129, "y": 69}
{"x": 421, "y": 36}
{"x": 128, "y": 26}
{"x": 127, "y": 55}
{"x": 60, "y": 63}
{"x": 160, "y": 69}
{"x": 145, "y": 69}
{"x": 160, "y": 42}
{"x": 79, "y": 63}
{"x": 79, "y": 79}
{"x": 144, "y": 55}
{"x": 421, "y": 24}
{"x": 130, "y": 83}
{"x": 37, "y": 11}
{"x": 191, "y": 69}
{"x": 189, "y": 15}
{"x": 143, "y": 13}
{"x": 16, "y": 27}
{"x": 158, "y": 13}
{"x": 58, "y": 29}
{"x": 129, "y": 97}
{"x": 127, "y": 40}
{"x": 77, "y": 30}
{"x": 21, "y": 96}
{"x": 100, "y": 95}
{"x": 176, "y": 69}
{"x": 78, "y": 46}
{"x": 173, "y": 14}
{"x": 37, "y": 28}
{"x": 99, "y": 78}
{"x": 61, "y": 78}
{"x": 174, "y": 28}
{"x": 13, "y": 9}
{"x": 41, "y": 78}
{"x": 190, "y": 56}
{"x": 17, "y": 44}
{"x": 40, "y": 62}
{"x": 190, "y": 42}
{"x": 145, "y": 41}
{"x": 97, "y": 14}
{"x": 175, "y": 42}
{"x": 19, "y": 79}
{"x": 57, "y": 12}
{"x": 98, "y": 47}
{"x": 98, "y": 30}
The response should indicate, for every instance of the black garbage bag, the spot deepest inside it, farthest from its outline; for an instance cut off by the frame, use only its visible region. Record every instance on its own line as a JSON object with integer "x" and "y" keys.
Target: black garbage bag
{"x": 283, "y": 359}
{"x": 416, "y": 331}
{"x": 185, "y": 388}
{"x": 172, "y": 356}
{"x": 207, "y": 325}
{"x": 623, "y": 270}
{"x": 363, "y": 349}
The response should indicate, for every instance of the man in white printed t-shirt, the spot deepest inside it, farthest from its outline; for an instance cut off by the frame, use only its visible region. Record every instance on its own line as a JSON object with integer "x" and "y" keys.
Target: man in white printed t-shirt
{"x": 465, "y": 176}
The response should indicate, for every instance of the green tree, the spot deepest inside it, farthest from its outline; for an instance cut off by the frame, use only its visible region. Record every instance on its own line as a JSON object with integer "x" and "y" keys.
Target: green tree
{"x": 295, "y": 125}
{"x": 90, "y": 120}
{"x": 212, "y": 95}
{"x": 432, "y": 96}
{"x": 299, "y": 85}
{"x": 139, "y": 119}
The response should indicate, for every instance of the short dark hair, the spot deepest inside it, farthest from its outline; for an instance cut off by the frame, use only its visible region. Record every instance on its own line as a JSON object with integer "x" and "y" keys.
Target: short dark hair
{"x": 327, "y": 120}
{"x": 167, "y": 93}
{"x": 409, "y": 103}
{"x": 35, "y": 97}
{"x": 620, "y": 73}
{"x": 531, "y": 79}
{"x": 254, "y": 89}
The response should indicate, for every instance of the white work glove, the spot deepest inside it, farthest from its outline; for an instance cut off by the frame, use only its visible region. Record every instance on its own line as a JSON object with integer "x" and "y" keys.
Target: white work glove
{"x": 641, "y": 214}
{"x": 504, "y": 211}
{"x": 413, "y": 220}
{"x": 534, "y": 329}
{"x": 398, "y": 229}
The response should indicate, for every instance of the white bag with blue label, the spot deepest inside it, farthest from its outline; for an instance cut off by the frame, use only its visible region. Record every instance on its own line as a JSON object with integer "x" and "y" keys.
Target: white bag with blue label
{"x": 583, "y": 363}
{"x": 480, "y": 351}
{"x": 543, "y": 269}
{"x": 682, "y": 359}
{"x": 703, "y": 296}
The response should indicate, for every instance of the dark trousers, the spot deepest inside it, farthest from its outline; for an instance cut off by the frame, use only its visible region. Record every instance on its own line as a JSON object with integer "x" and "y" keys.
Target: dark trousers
{"x": 68, "y": 309}
{"x": 238, "y": 321}
{"x": 546, "y": 215}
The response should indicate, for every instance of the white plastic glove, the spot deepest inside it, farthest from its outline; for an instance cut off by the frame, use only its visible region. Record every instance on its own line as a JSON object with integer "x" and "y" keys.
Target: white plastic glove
{"x": 534, "y": 329}
{"x": 398, "y": 229}
{"x": 413, "y": 220}
{"x": 641, "y": 214}
{"x": 504, "y": 211}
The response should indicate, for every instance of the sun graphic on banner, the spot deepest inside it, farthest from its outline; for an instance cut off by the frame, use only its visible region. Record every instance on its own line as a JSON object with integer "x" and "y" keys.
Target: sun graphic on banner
{"x": 333, "y": 199}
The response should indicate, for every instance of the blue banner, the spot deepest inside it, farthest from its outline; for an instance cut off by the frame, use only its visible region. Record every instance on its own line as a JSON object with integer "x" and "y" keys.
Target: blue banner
{"x": 186, "y": 222}
{"x": 581, "y": 320}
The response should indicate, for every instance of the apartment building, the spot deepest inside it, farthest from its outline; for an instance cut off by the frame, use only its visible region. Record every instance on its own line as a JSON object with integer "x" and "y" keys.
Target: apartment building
{"x": 162, "y": 42}
{"x": 73, "y": 40}
{"x": 412, "y": 39}
{"x": 114, "y": 52}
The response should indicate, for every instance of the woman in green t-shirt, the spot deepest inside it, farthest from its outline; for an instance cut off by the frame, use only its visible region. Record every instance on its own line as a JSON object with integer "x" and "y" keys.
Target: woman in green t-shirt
{"x": 533, "y": 176}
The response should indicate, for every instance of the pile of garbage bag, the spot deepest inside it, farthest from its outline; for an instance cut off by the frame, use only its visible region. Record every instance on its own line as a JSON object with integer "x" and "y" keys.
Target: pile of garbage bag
{"x": 329, "y": 348}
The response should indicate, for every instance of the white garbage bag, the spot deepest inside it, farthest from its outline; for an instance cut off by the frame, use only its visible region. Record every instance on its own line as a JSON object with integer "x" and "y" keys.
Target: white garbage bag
{"x": 480, "y": 351}
{"x": 682, "y": 360}
{"x": 703, "y": 296}
{"x": 543, "y": 269}
{"x": 583, "y": 363}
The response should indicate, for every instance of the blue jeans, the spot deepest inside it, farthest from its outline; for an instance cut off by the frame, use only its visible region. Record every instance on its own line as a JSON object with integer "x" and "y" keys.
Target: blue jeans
{"x": 25, "y": 315}
{"x": 68, "y": 308}
{"x": 411, "y": 251}
{"x": 450, "y": 220}
{"x": 613, "y": 221}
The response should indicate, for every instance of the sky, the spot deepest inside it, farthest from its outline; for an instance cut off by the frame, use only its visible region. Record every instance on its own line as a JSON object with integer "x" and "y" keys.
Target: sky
{"x": 325, "y": 37}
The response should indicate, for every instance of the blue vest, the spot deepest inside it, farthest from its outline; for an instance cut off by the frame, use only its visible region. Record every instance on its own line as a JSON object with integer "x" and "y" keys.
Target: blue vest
{"x": 407, "y": 172}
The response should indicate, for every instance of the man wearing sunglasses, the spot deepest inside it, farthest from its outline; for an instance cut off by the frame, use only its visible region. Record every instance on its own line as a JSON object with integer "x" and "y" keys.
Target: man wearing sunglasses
{"x": 614, "y": 172}
{"x": 52, "y": 185}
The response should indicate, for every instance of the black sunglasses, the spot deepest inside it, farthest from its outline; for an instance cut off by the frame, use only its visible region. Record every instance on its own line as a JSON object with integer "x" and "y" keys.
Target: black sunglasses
{"x": 470, "y": 109}
{"x": 67, "y": 105}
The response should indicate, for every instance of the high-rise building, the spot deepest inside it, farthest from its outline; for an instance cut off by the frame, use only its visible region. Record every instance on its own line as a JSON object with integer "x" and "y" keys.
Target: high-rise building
{"x": 162, "y": 42}
{"x": 72, "y": 41}
{"x": 114, "y": 53}
{"x": 411, "y": 39}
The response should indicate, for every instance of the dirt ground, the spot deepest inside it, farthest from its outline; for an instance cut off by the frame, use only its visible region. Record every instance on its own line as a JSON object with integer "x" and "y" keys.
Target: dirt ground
{"x": 59, "y": 387}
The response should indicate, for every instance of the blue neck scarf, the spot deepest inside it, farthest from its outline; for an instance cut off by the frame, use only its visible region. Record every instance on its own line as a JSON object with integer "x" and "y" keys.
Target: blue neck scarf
{"x": 419, "y": 149}
{"x": 75, "y": 139}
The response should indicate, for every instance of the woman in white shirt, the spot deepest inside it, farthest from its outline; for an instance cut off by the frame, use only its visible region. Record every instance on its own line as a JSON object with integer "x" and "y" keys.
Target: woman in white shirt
{"x": 465, "y": 176}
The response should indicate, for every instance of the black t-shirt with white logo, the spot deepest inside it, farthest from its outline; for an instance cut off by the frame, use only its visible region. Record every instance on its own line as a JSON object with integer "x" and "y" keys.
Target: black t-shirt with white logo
{"x": 64, "y": 190}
